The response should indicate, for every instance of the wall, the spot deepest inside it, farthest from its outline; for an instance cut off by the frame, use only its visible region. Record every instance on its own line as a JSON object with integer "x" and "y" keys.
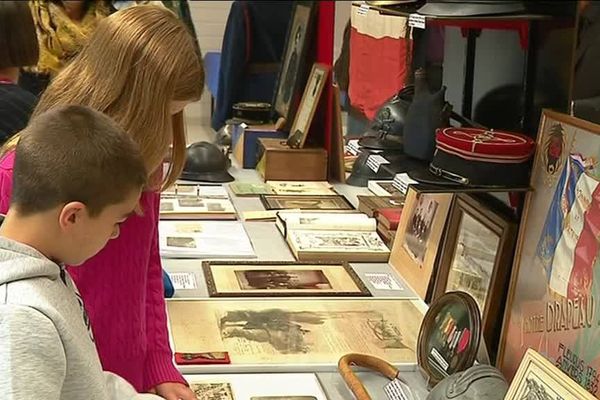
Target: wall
{"x": 209, "y": 19}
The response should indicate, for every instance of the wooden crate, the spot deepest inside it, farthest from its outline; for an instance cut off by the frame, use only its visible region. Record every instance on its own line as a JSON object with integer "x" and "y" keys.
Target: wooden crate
{"x": 278, "y": 162}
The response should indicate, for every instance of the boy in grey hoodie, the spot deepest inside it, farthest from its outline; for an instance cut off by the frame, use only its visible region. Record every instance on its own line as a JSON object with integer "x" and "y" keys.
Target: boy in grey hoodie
{"x": 76, "y": 177}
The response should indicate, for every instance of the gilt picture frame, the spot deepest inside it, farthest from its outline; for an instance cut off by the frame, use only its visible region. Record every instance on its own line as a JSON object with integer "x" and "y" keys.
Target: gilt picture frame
{"x": 282, "y": 279}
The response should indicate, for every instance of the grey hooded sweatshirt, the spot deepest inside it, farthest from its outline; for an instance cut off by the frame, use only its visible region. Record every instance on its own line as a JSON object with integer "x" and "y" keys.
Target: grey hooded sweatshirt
{"x": 46, "y": 350}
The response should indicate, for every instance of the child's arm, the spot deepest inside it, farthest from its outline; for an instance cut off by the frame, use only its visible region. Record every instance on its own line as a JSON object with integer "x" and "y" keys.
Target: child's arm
{"x": 32, "y": 357}
{"x": 159, "y": 367}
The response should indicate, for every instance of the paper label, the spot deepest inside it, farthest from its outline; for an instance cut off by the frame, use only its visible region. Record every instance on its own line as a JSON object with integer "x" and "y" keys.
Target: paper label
{"x": 383, "y": 281}
{"x": 363, "y": 9}
{"x": 375, "y": 161}
{"x": 398, "y": 390}
{"x": 439, "y": 359}
{"x": 183, "y": 280}
{"x": 416, "y": 21}
{"x": 352, "y": 147}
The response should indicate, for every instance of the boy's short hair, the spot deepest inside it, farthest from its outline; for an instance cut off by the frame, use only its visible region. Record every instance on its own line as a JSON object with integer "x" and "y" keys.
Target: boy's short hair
{"x": 73, "y": 153}
{"x": 18, "y": 41}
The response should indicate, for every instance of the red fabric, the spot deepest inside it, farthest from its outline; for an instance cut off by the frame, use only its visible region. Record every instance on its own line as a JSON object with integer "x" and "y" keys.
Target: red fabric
{"x": 494, "y": 146}
{"x": 320, "y": 132}
{"x": 378, "y": 70}
{"x": 122, "y": 289}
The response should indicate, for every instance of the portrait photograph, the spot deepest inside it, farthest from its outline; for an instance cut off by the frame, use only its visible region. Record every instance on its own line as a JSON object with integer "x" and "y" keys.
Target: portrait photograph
{"x": 294, "y": 66}
{"x": 418, "y": 238}
{"x": 255, "y": 278}
{"x": 419, "y": 226}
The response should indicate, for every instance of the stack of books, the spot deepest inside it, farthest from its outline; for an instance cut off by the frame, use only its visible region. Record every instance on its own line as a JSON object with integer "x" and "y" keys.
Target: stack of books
{"x": 386, "y": 210}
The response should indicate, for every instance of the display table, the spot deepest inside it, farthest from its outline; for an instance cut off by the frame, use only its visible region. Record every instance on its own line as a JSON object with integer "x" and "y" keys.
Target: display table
{"x": 270, "y": 245}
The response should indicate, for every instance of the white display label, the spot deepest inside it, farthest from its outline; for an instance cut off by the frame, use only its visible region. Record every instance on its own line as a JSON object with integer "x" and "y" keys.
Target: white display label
{"x": 416, "y": 21}
{"x": 375, "y": 161}
{"x": 398, "y": 390}
{"x": 363, "y": 9}
{"x": 383, "y": 281}
{"x": 183, "y": 280}
{"x": 352, "y": 147}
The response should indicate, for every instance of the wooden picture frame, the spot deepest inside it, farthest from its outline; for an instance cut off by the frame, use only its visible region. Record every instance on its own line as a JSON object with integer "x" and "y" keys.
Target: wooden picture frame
{"x": 554, "y": 267}
{"x": 476, "y": 258}
{"x": 305, "y": 202}
{"x": 275, "y": 279}
{"x": 414, "y": 253}
{"x": 308, "y": 105}
{"x": 337, "y": 169}
{"x": 538, "y": 378}
{"x": 293, "y": 71}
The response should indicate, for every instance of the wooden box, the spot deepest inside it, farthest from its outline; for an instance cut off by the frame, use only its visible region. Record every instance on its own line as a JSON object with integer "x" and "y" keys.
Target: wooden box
{"x": 244, "y": 141}
{"x": 278, "y": 162}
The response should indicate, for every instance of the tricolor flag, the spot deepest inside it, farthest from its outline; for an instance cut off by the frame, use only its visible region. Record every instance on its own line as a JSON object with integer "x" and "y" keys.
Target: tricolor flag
{"x": 568, "y": 244}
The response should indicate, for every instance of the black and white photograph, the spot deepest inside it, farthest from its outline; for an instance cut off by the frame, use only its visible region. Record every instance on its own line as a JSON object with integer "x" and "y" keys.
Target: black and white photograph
{"x": 419, "y": 227}
{"x": 212, "y": 391}
{"x": 185, "y": 242}
{"x": 282, "y": 279}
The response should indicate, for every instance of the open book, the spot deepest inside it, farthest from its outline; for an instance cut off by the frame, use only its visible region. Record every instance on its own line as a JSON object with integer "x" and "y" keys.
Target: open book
{"x": 338, "y": 237}
{"x": 204, "y": 239}
{"x": 197, "y": 208}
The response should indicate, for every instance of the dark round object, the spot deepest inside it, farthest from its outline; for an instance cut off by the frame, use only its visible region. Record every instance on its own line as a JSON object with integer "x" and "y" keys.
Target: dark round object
{"x": 449, "y": 336}
{"x": 206, "y": 163}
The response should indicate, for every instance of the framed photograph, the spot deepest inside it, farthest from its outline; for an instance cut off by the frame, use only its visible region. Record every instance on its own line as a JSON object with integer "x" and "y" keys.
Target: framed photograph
{"x": 308, "y": 105}
{"x": 538, "y": 378}
{"x": 295, "y": 61}
{"x": 301, "y": 335}
{"x": 476, "y": 258}
{"x": 302, "y": 202}
{"x": 552, "y": 303}
{"x": 281, "y": 386}
{"x": 418, "y": 237}
{"x": 280, "y": 279}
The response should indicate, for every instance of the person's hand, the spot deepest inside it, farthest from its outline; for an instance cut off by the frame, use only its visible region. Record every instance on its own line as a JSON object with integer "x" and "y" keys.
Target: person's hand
{"x": 174, "y": 391}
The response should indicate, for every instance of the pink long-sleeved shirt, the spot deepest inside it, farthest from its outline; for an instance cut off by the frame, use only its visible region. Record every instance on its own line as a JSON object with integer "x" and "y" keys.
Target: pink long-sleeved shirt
{"x": 122, "y": 289}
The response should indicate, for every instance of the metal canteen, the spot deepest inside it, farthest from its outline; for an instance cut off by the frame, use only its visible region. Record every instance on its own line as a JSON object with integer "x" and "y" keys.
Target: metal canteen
{"x": 477, "y": 382}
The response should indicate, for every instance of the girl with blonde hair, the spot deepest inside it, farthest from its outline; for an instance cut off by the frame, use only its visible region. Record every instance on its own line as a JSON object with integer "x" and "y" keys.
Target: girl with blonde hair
{"x": 140, "y": 67}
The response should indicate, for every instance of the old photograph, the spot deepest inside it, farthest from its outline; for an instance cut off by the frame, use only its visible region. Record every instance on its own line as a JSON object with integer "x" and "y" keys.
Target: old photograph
{"x": 212, "y": 391}
{"x": 419, "y": 227}
{"x": 308, "y": 202}
{"x": 166, "y": 206}
{"x": 282, "y": 279}
{"x": 191, "y": 202}
{"x": 474, "y": 259}
{"x": 185, "y": 242}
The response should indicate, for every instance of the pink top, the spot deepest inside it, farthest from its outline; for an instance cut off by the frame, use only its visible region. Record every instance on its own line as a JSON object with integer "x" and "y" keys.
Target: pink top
{"x": 122, "y": 288}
